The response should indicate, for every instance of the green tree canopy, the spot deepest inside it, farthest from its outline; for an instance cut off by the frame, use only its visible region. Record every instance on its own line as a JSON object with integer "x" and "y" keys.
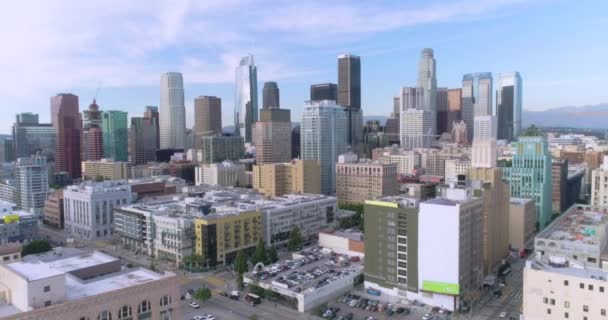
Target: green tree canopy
{"x": 202, "y": 294}
{"x": 259, "y": 254}
{"x": 36, "y": 246}
{"x": 273, "y": 255}
{"x": 240, "y": 263}
{"x": 295, "y": 239}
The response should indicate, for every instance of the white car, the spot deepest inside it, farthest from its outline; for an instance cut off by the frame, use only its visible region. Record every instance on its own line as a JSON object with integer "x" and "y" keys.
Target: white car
{"x": 198, "y": 318}
{"x": 194, "y": 304}
{"x": 209, "y": 317}
{"x": 503, "y": 314}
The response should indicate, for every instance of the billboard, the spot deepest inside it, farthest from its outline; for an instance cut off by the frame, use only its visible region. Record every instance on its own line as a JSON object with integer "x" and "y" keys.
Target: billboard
{"x": 11, "y": 218}
{"x": 441, "y": 287}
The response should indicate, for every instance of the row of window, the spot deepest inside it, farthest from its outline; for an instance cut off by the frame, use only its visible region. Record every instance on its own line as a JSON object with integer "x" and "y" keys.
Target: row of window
{"x": 589, "y": 287}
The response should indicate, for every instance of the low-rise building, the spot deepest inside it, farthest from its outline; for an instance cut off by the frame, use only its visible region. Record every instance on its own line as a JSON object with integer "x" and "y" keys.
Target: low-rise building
{"x": 106, "y": 169}
{"x": 522, "y": 222}
{"x": 277, "y": 179}
{"x": 88, "y": 207}
{"x": 357, "y": 182}
{"x": 16, "y": 225}
{"x": 407, "y": 160}
{"x": 225, "y": 174}
{"x": 455, "y": 168}
{"x": 72, "y": 284}
{"x": 156, "y": 186}
{"x": 349, "y": 242}
{"x": 10, "y": 252}
{"x": 53, "y": 215}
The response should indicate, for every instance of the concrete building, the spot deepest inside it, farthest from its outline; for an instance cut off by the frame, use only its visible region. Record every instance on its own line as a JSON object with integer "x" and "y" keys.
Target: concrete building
{"x": 277, "y": 179}
{"x": 357, "y": 182}
{"x": 566, "y": 279}
{"x": 225, "y": 174}
{"x": 246, "y": 104}
{"x": 391, "y": 246}
{"x": 459, "y": 132}
{"x": 427, "y": 84}
{"x": 31, "y": 137}
{"x": 349, "y": 241}
{"x": 522, "y": 222}
{"x": 207, "y": 117}
{"x": 349, "y": 96}
{"x": 156, "y": 186}
{"x": 31, "y": 183}
{"x": 143, "y": 139}
{"x": 599, "y": 185}
{"x": 476, "y": 98}
{"x": 10, "y": 252}
{"x": 67, "y": 121}
{"x": 408, "y": 161}
{"x": 324, "y": 137}
{"x": 106, "y": 169}
{"x": 495, "y": 193}
{"x": 455, "y": 168}
{"x": 323, "y": 91}
{"x": 88, "y": 207}
{"x": 53, "y": 215}
{"x": 270, "y": 95}
{"x": 454, "y": 107}
{"x": 450, "y": 266}
{"x": 219, "y": 148}
{"x": 272, "y": 136}
{"x": 416, "y": 128}
{"x": 172, "y": 111}
{"x": 530, "y": 175}
{"x": 16, "y": 225}
{"x": 559, "y": 179}
{"x": 484, "y": 150}
{"x": 69, "y": 284}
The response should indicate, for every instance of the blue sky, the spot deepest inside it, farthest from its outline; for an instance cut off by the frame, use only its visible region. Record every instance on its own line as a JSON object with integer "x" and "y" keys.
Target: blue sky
{"x": 559, "y": 47}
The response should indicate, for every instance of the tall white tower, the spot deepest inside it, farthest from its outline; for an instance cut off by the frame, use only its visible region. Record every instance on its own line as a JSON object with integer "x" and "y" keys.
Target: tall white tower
{"x": 427, "y": 83}
{"x": 246, "y": 107}
{"x": 172, "y": 111}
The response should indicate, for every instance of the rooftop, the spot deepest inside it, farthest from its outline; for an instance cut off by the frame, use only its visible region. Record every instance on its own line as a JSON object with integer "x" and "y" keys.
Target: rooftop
{"x": 33, "y": 268}
{"x": 585, "y": 273}
{"x": 76, "y": 288}
{"x": 519, "y": 201}
{"x": 580, "y": 225}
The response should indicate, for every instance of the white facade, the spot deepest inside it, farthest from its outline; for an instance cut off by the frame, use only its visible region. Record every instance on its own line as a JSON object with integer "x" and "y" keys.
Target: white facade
{"x": 246, "y": 100}
{"x": 484, "y": 150}
{"x": 31, "y": 183}
{"x": 427, "y": 82}
{"x": 476, "y": 98}
{"x": 416, "y": 128}
{"x": 407, "y": 160}
{"x": 323, "y": 134}
{"x": 599, "y": 185}
{"x": 172, "y": 111}
{"x": 88, "y": 207}
{"x": 173, "y": 237}
{"x": 455, "y": 167}
{"x": 450, "y": 247}
{"x": 225, "y": 174}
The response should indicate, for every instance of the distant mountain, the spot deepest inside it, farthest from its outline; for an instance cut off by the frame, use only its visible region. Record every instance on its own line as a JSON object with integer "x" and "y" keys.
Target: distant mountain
{"x": 592, "y": 116}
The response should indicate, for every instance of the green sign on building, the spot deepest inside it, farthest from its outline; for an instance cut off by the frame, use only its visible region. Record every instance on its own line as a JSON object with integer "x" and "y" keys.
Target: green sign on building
{"x": 441, "y": 287}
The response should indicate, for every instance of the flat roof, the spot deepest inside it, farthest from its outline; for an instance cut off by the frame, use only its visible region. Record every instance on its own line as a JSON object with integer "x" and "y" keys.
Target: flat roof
{"x": 76, "y": 288}
{"x": 442, "y": 202}
{"x": 579, "y": 224}
{"x": 36, "y": 269}
{"x": 519, "y": 201}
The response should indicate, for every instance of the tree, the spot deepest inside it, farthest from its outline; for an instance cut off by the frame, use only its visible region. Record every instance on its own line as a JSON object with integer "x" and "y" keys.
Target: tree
{"x": 295, "y": 239}
{"x": 239, "y": 281}
{"x": 259, "y": 254}
{"x": 36, "y": 246}
{"x": 202, "y": 294}
{"x": 253, "y": 317}
{"x": 273, "y": 255}
{"x": 240, "y": 263}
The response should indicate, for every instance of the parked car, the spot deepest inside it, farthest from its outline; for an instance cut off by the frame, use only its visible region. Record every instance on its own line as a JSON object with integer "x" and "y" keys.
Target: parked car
{"x": 194, "y": 304}
{"x": 503, "y": 314}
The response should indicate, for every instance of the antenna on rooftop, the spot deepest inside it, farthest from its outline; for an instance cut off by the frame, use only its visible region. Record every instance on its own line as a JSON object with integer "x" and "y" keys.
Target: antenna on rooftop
{"x": 99, "y": 85}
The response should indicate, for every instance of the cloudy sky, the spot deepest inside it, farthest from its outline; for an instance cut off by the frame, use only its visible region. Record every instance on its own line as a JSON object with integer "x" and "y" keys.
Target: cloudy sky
{"x": 121, "y": 47}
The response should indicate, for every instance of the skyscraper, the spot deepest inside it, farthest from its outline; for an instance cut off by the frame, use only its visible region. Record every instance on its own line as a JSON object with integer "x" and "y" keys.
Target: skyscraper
{"x": 172, "y": 120}
{"x": 143, "y": 139}
{"x": 509, "y": 105}
{"x": 115, "y": 135}
{"x": 92, "y": 147}
{"x": 454, "y": 107}
{"x": 476, "y": 98}
{"x": 246, "y": 107}
{"x": 207, "y": 117}
{"x": 31, "y": 183}
{"x": 271, "y": 97}
{"x": 530, "y": 175}
{"x": 324, "y": 91}
{"x": 484, "y": 149}
{"x": 272, "y": 136}
{"x": 152, "y": 113}
{"x": 68, "y": 122}
{"x": 323, "y": 137}
{"x": 30, "y": 137}
{"x": 349, "y": 96}
{"x": 416, "y": 122}
{"x": 427, "y": 82}
{"x": 442, "y": 111}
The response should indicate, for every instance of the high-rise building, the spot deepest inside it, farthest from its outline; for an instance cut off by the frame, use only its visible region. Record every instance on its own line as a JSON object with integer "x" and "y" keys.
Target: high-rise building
{"x": 459, "y": 132}
{"x": 450, "y": 266}
{"x": 88, "y": 207}
{"x": 31, "y": 183}
{"x": 416, "y": 128}
{"x": 207, "y": 117}
{"x": 357, "y": 182}
{"x": 599, "y": 185}
{"x": 6, "y": 150}
{"x": 374, "y": 136}
{"x": 272, "y": 136}
{"x": 530, "y": 175}
{"x": 349, "y": 96}
{"x": 30, "y": 137}
{"x": 277, "y": 179}
{"x": 391, "y": 246}
{"x": 442, "y": 110}
{"x": 94, "y": 149}
{"x": 476, "y": 98}
{"x": 172, "y": 112}
{"x": 115, "y": 135}
{"x": 324, "y": 91}
{"x": 484, "y": 149}
{"x": 67, "y": 121}
{"x": 53, "y": 210}
{"x": 323, "y": 135}
{"x": 295, "y": 142}
{"x": 219, "y": 148}
{"x": 246, "y": 107}
{"x": 427, "y": 83}
{"x": 152, "y": 113}
{"x": 92, "y": 135}
{"x": 225, "y": 174}
{"x": 143, "y": 139}
{"x": 559, "y": 179}
{"x": 270, "y": 95}
{"x": 454, "y": 107}
{"x": 105, "y": 169}
{"x": 509, "y": 105}
{"x": 522, "y": 222}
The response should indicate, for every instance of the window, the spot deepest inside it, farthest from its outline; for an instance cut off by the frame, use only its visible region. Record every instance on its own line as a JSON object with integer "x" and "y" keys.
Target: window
{"x": 566, "y": 282}
{"x": 601, "y": 289}
{"x": 590, "y": 287}
{"x": 566, "y": 315}
{"x": 581, "y": 285}
{"x": 165, "y": 300}
{"x": 586, "y": 308}
{"x": 548, "y": 311}
{"x": 552, "y": 302}
{"x": 7, "y": 258}
{"x": 84, "y": 318}
{"x": 104, "y": 315}
{"x": 47, "y": 303}
{"x": 47, "y": 288}
{"x": 603, "y": 312}
{"x": 566, "y": 304}
{"x": 545, "y": 300}
{"x": 143, "y": 307}
{"x": 124, "y": 313}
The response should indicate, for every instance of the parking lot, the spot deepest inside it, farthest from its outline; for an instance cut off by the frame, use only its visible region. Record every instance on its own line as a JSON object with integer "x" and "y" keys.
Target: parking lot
{"x": 364, "y": 306}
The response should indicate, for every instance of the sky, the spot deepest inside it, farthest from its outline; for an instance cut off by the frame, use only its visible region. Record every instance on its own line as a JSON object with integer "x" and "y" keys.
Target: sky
{"x": 115, "y": 50}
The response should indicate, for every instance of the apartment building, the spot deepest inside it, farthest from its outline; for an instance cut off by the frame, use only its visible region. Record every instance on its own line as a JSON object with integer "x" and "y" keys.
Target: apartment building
{"x": 357, "y": 182}
{"x": 277, "y": 179}
{"x": 106, "y": 169}
{"x": 225, "y": 174}
{"x": 522, "y": 222}
{"x": 53, "y": 215}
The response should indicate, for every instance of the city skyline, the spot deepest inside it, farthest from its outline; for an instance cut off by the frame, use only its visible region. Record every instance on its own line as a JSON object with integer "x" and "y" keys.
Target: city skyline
{"x": 171, "y": 40}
